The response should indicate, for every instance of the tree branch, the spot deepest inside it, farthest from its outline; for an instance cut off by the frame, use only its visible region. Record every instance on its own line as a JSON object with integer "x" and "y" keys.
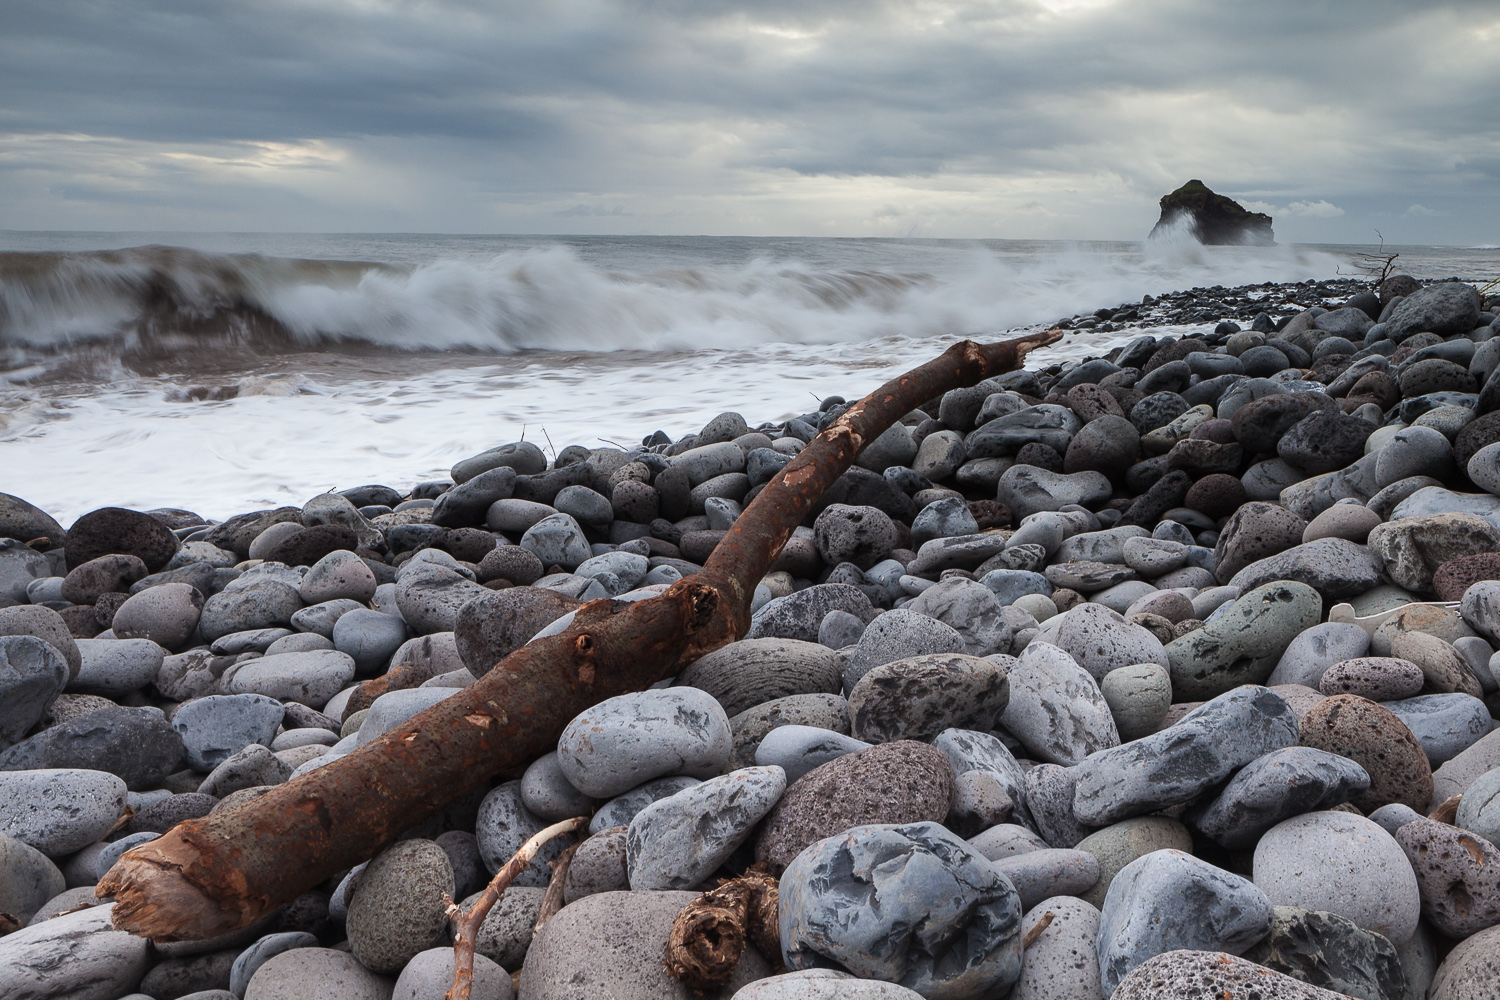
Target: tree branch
{"x": 466, "y": 925}
{"x": 224, "y": 871}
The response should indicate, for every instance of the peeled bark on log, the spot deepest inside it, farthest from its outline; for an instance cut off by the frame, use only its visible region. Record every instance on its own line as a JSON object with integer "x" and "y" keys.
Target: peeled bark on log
{"x": 709, "y": 935}
{"x": 224, "y": 871}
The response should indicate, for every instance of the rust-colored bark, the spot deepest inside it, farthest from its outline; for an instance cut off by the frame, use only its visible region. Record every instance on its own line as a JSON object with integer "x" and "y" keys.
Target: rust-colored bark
{"x": 709, "y": 935}
{"x": 224, "y": 871}
{"x": 466, "y": 926}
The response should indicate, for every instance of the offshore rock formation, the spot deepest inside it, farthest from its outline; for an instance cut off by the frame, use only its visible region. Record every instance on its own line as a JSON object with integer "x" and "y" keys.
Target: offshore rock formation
{"x": 1215, "y": 219}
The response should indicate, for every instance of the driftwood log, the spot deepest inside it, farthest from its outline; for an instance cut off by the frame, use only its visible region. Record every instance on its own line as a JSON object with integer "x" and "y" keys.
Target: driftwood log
{"x": 224, "y": 871}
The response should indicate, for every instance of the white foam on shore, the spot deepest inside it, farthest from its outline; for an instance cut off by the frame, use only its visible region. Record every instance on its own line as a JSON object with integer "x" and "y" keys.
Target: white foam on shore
{"x": 131, "y": 445}
{"x": 355, "y": 381}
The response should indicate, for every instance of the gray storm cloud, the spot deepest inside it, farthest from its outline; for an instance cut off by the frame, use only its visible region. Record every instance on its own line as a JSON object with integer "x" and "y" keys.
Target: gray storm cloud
{"x": 1019, "y": 118}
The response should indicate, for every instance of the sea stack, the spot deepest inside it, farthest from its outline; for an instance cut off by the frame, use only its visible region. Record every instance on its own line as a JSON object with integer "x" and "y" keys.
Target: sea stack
{"x": 1216, "y": 220}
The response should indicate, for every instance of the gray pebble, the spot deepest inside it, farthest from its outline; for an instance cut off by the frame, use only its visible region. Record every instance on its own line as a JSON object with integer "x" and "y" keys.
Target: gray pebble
{"x": 505, "y": 936}
{"x": 316, "y": 974}
{"x": 625, "y": 741}
{"x": 1344, "y": 864}
{"x": 1062, "y": 962}
{"x": 429, "y": 975}
{"x": 167, "y": 615}
{"x": 249, "y": 767}
{"x": 598, "y": 866}
{"x": 1055, "y": 707}
{"x": 75, "y": 955}
{"x": 547, "y": 793}
{"x": 621, "y": 809}
{"x": 1170, "y": 900}
{"x": 397, "y": 908}
{"x": 1445, "y": 724}
{"x": 679, "y": 841}
{"x": 59, "y": 811}
{"x": 114, "y": 667}
{"x": 503, "y": 825}
{"x": 253, "y": 957}
{"x": 1050, "y": 872}
{"x": 32, "y": 675}
{"x": 214, "y": 727}
{"x": 919, "y": 697}
{"x": 1180, "y": 762}
{"x": 28, "y": 879}
{"x": 911, "y": 904}
{"x": 899, "y": 635}
{"x": 1278, "y": 786}
{"x": 1479, "y": 810}
{"x": 798, "y": 749}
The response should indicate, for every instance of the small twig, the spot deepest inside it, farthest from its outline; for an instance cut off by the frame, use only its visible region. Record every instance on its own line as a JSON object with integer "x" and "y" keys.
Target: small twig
{"x": 549, "y": 442}
{"x": 466, "y": 925}
{"x": 1036, "y": 930}
{"x": 553, "y": 900}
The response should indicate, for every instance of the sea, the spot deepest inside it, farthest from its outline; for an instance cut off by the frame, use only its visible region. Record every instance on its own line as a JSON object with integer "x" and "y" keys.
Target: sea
{"x": 225, "y": 372}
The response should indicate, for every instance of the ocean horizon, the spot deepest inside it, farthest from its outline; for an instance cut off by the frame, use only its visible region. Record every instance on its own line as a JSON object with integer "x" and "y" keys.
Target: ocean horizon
{"x": 224, "y": 371}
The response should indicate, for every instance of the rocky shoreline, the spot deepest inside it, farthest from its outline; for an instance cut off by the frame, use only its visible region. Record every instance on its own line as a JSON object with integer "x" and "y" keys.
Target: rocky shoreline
{"x": 1166, "y": 673}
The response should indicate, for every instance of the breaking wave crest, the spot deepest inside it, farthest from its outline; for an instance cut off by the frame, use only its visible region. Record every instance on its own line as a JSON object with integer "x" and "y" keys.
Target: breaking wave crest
{"x": 161, "y": 301}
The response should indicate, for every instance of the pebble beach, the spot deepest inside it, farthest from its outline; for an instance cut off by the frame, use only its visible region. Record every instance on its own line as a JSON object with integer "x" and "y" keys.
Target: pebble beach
{"x": 1166, "y": 670}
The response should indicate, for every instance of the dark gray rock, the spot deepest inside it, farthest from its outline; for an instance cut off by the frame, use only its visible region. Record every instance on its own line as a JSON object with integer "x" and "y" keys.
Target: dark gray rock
{"x": 1169, "y": 900}
{"x": 899, "y": 635}
{"x": 27, "y": 879}
{"x": 1331, "y": 952}
{"x": 430, "y": 598}
{"x": 911, "y": 904}
{"x": 1278, "y": 786}
{"x": 919, "y": 697}
{"x": 32, "y": 674}
{"x": 136, "y": 744}
{"x": 1180, "y": 762}
{"x": 489, "y": 628}
{"x": 1049, "y": 791}
{"x": 861, "y": 535}
{"x": 1026, "y": 489}
{"x": 1253, "y": 532}
{"x": 751, "y": 672}
{"x": 117, "y": 530}
{"x": 264, "y": 604}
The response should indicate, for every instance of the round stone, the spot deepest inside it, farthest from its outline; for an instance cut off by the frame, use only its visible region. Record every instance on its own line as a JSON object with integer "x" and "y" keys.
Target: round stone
{"x": 625, "y": 741}
{"x": 1340, "y": 863}
{"x": 316, "y": 974}
{"x": 1378, "y": 678}
{"x": 901, "y": 782}
{"x": 919, "y": 697}
{"x": 1138, "y": 697}
{"x": 115, "y": 530}
{"x": 1374, "y": 738}
{"x": 397, "y": 909}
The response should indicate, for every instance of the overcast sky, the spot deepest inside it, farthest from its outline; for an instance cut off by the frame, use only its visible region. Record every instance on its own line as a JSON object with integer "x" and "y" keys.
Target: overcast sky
{"x": 1008, "y": 118}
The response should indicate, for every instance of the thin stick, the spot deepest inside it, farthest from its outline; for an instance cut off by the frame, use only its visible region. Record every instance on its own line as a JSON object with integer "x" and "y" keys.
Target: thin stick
{"x": 1036, "y": 931}
{"x": 466, "y": 925}
{"x": 553, "y": 900}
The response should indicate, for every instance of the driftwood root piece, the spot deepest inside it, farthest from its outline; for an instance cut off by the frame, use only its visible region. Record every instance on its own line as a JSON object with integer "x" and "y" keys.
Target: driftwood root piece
{"x": 466, "y": 925}
{"x": 219, "y": 873}
{"x": 709, "y": 935}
